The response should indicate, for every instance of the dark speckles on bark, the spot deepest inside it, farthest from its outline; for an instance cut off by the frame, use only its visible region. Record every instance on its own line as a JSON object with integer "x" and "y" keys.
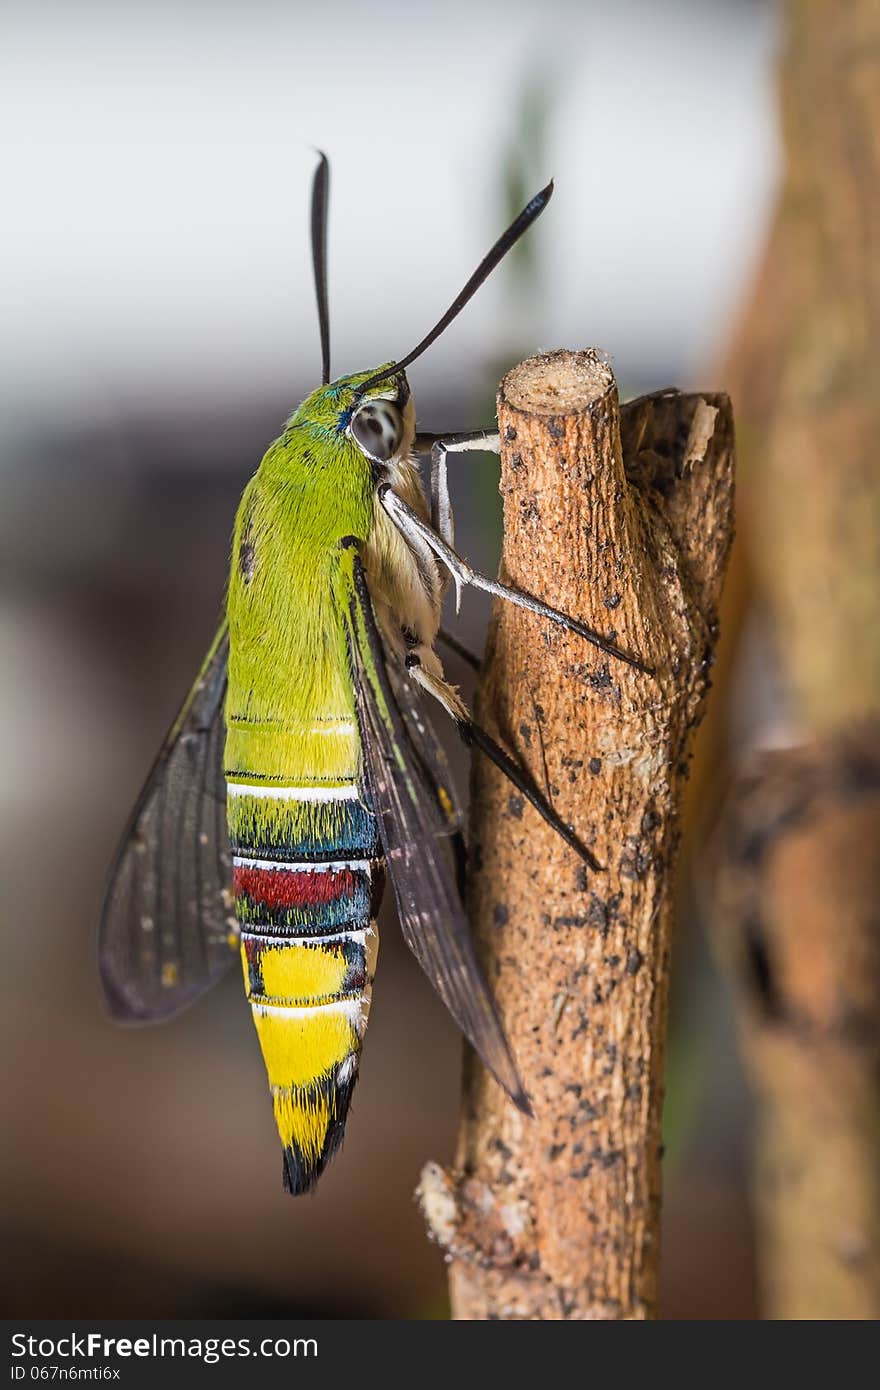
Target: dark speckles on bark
{"x": 612, "y": 601}
{"x": 636, "y": 858}
{"x": 515, "y": 806}
{"x": 595, "y": 766}
{"x": 500, "y": 914}
{"x": 572, "y": 766}
{"x": 526, "y": 734}
{"x": 603, "y": 912}
{"x": 634, "y": 959}
{"x": 598, "y": 914}
{"x": 601, "y": 679}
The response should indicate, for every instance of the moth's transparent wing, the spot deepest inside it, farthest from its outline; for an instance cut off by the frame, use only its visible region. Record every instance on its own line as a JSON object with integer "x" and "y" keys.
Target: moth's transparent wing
{"x": 167, "y": 929}
{"x": 427, "y": 747}
{"x": 431, "y": 916}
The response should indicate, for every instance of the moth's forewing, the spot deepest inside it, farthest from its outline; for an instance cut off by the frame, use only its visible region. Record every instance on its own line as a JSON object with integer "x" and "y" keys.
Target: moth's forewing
{"x": 427, "y": 748}
{"x": 167, "y": 930}
{"x": 431, "y": 915}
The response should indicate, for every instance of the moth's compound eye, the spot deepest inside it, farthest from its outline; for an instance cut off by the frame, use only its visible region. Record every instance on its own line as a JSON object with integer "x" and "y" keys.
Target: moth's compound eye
{"x": 377, "y": 428}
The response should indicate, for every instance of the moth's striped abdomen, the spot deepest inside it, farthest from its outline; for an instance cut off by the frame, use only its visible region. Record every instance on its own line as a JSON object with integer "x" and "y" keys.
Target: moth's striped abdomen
{"x": 307, "y": 879}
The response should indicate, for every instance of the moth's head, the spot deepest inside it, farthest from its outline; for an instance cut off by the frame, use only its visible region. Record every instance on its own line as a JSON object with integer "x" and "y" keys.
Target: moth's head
{"x": 379, "y": 421}
{"x": 371, "y": 413}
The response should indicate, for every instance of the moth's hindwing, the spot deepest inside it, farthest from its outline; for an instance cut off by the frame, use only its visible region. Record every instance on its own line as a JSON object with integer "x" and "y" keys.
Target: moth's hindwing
{"x": 167, "y": 925}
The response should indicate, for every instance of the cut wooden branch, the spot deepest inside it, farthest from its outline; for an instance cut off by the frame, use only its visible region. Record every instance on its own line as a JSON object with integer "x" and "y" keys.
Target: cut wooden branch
{"x": 622, "y": 518}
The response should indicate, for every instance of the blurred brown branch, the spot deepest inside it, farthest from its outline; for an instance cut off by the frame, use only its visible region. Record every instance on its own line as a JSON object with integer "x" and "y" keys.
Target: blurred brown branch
{"x": 622, "y": 517}
{"x": 800, "y": 889}
{"x": 800, "y": 880}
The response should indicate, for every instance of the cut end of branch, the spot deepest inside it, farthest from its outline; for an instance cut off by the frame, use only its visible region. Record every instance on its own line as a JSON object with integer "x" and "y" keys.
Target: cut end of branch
{"x": 558, "y": 383}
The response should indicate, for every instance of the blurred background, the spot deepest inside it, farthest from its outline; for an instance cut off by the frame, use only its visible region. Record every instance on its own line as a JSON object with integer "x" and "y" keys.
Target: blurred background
{"x": 158, "y": 328}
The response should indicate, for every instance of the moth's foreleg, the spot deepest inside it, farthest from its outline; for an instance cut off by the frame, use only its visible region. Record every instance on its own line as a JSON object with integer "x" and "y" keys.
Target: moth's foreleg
{"x": 439, "y": 445}
{"x": 415, "y": 529}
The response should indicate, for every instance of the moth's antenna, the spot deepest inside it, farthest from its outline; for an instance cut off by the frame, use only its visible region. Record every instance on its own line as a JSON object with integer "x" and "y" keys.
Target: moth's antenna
{"x": 320, "y": 198}
{"x": 522, "y": 223}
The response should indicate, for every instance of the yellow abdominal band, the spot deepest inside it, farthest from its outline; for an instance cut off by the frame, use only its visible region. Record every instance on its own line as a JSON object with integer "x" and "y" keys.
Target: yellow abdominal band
{"x": 310, "y": 1003}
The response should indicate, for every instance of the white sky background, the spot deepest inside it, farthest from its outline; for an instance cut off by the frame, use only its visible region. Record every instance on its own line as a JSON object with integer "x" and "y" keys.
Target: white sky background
{"x": 155, "y": 170}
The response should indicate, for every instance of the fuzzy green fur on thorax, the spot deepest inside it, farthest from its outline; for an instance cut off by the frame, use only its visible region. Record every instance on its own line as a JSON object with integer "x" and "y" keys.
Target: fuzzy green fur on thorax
{"x": 288, "y": 658}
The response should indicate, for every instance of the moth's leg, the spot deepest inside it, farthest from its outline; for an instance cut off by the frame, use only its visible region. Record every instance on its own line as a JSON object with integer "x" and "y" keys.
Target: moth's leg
{"x": 415, "y": 529}
{"x": 459, "y": 648}
{"x": 439, "y": 445}
{"x": 472, "y": 734}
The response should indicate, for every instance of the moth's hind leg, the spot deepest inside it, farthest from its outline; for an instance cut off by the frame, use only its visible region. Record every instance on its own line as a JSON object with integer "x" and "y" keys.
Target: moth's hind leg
{"x": 429, "y": 676}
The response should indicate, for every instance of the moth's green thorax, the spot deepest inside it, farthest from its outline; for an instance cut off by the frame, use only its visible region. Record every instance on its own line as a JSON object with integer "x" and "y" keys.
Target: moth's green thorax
{"x": 289, "y": 667}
